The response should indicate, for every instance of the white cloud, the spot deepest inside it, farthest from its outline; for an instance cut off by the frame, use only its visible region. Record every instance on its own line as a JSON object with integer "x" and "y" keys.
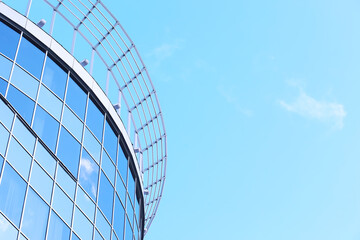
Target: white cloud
{"x": 323, "y": 111}
{"x": 164, "y": 51}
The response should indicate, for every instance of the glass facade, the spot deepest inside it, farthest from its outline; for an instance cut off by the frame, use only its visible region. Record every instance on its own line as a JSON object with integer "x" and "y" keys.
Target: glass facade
{"x": 65, "y": 170}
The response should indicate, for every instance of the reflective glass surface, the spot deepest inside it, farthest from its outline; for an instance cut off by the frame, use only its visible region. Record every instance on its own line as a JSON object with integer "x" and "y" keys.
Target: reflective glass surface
{"x": 5, "y": 67}
{"x": 110, "y": 141}
{"x": 76, "y": 98}
{"x": 12, "y": 189}
{"x": 85, "y": 204}
{"x": 103, "y": 225}
{"x": 69, "y": 151}
{"x": 19, "y": 158}
{"x": 50, "y": 102}
{"x": 46, "y": 127}
{"x": 82, "y": 225}
{"x": 95, "y": 120}
{"x": 45, "y": 159}
{"x": 89, "y": 172}
{"x": 25, "y": 82}
{"x": 3, "y": 86}
{"x": 106, "y": 196}
{"x": 65, "y": 182}
{"x": 119, "y": 218}
{"x": 54, "y": 77}
{"x": 72, "y": 123}
{"x": 24, "y": 136}
{"x": 30, "y": 57}
{"x": 7, "y": 230}
{"x": 57, "y": 228}
{"x": 6, "y": 116}
{"x": 62, "y": 205}
{"x": 8, "y": 41}
{"x": 41, "y": 182}
{"x": 21, "y": 103}
{"x": 4, "y": 137}
{"x": 34, "y": 221}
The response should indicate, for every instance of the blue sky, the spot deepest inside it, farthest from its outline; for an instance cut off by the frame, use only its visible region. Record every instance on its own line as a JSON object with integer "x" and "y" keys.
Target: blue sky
{"x": 260, "y": 100}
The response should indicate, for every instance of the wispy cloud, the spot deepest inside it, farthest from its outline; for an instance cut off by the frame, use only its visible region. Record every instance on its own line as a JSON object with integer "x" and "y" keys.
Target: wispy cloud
{"x": 231, "y": 98}
{"x": 164, "y": 51}
{"x": 309, "y": 107}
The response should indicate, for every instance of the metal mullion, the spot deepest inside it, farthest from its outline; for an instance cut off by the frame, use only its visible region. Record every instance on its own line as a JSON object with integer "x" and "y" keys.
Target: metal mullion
{"x": 14, "y": 62}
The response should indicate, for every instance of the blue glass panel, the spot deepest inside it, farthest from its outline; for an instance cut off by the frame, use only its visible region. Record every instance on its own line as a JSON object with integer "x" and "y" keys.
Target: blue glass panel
{"x": 3, "y": 86}
{"x": 30, "y": 57}
{"x": 119, "y": 217}
{"x": 129, "y": 210}
{"x": 46, "y": 127}
{"x": 1, "y": 163}
{"x": 110, "y": 141}
{"x": 95, "y": 120}
{"x": 9, "y": 40}
{"x": 5, "y": 67}
{"x": 72, "y": 123}
{"x": 45, "y": 159}
{"x": 7, "y": 230}
{"x": 92, "y": 145}
{"x": 120, "y": 188}
{"x": 131, "y": 186}
{"x": 108, "y": 167}
{"x": 76, "y": 98}
{"x": 23, "y": 81}
{"x": 122, "y": 164}
{"x": 35, "y": 216}
{"x": 41, "y": 182}
{"x": 54, "y": 77}
{"x": 69, "y": 151}
{"x": 19, "y": 158}
{"x": 62, "y": 205}
{"x": 103, "y": 225}
{"x": 24, "y": 135}
{"x": 82, "y": 225}
{"x": 98, "y": 236}
{"x": 50, "y": 102}
{"x": 4, "y": 138}
{"x": 74, "y": 237}
{"x": 85, "y": 204}
{"x": 12, "y": 193}
{"x": 65, "y": 181}
{"x": 6, "y": 116}
{"x": 106, "y": 193}
{"x": 57, "y": 228}
{"x": 23, "y": 104}
{"x": 128, "y": 231}
{"x": 89, "y": 172}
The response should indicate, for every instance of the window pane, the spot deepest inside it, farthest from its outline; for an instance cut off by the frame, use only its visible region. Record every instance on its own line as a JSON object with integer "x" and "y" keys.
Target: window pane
{"x": 110, "y": 141}
{"x": 85, "y": 204}
{"x": 106, "y": 193}
{"x": 23, "y": 104}
{"x": 122, "y": 164}
{"x": 89, "y": 172}
{"x": 62, "y": 205}
{"x": 65, "y": 182}
{"x": 7, "y": 230}
{"x": 57, "y": 228}
{"x": 120, "y": 189}
{"x": 23, "y": 81}
{"x": 54, "y": 78}
{"x": 98, "y": 236}
{"x": 119, "y": 218}
{"x": 131, "y": 186}
{"x": 35, "y": 216}
{"x": 50, "y": 102}
{"x": 41, "y": 182}
{"x": 129, "y": 210}
{"x": 30, "y": 57}
{"x": 69, "y": 151}
{"x": 3, "y": 86}
{"x": 6, "y": 116}
{"x": 82, "y": 226}
{"x": 5, "y": 67}
{"x": 19, "y": 158}
{"x": 9, "y": 40}
{"x": 24, "y": 135}
{"x": 95, "y": 120}
{"x": 108, "y": 167}
{"x": 1, "y": 163}
{"x": 76, "y": 98}
{"x": 46, "y": 127}
{"x": 4, "y": 138}
{"x": 92, "y": 145}
{"x": 72, "y": 123}
{"x": 103, "y": 225}
{"x": 128, "y": 231}
{"x": 45, "y": 159}
{"x": 12, "y": 193}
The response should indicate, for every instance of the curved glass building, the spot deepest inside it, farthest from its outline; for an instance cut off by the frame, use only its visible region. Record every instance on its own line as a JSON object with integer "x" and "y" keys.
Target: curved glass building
{"x": 82, "y": 139}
